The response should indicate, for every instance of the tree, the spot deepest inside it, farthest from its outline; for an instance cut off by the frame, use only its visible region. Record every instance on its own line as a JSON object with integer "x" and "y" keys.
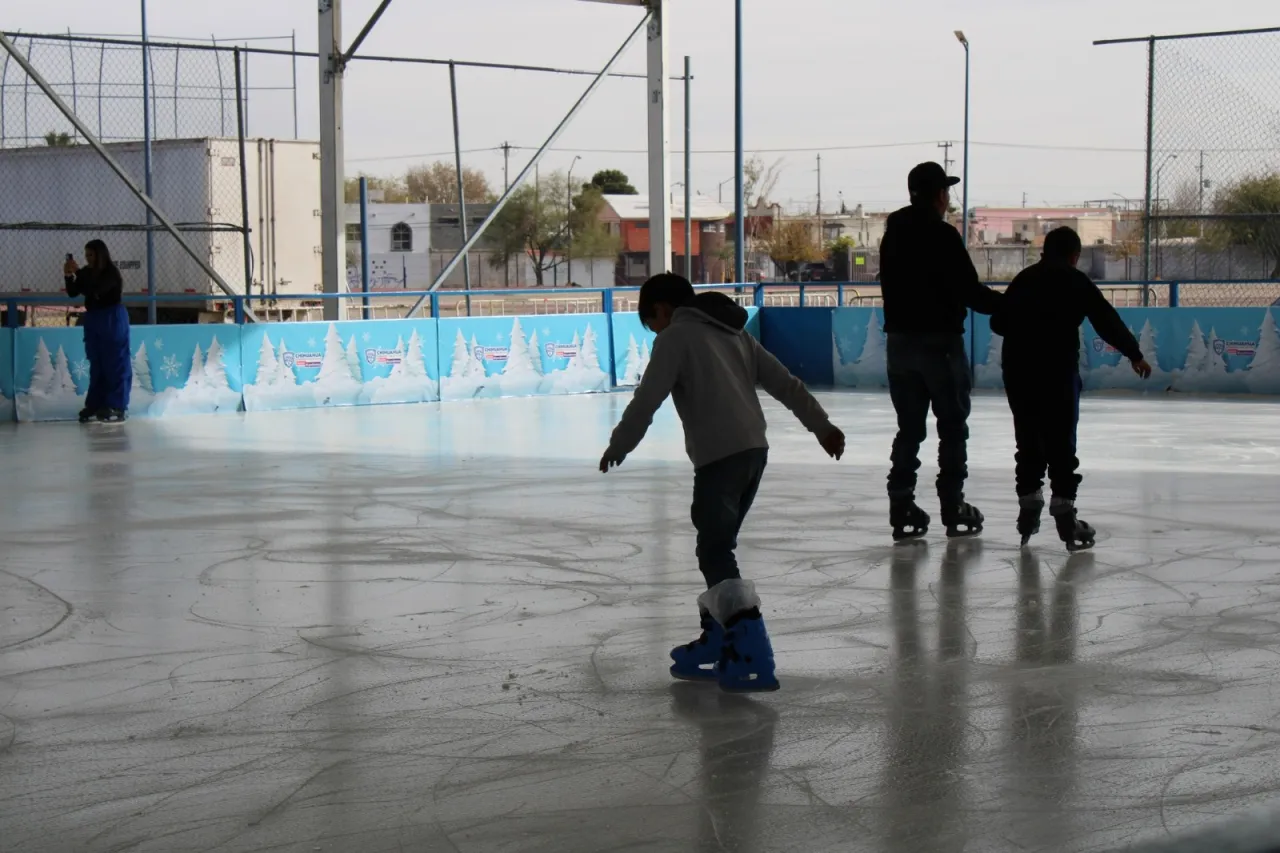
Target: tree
{"x": 535, "y": 353}
{"x": 1197, "y": 351}
{"x": 437, "y": 183}
{"x": 142, "y": 370}
{"x": 590, "y": 236}
{"x": 1186, "y": 202}
{"x": 842, "y": 244}
{"x": 534, "y": 223}
{"x": 759, "y": 179}
{"x": 1253, "y": 205}
{"x": 393, "y": 189}
{"x": 54, "y": 139}
{"x": 789, "y": 244}
{"x": 215, "y": 367}
{"x": 268, "y": 365}
{"x": 612, "y": 182}
{"x": 353, "y": 360}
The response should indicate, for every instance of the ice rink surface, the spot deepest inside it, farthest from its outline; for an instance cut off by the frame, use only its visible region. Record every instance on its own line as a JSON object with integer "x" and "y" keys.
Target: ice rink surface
{"x": 438, "y": 628}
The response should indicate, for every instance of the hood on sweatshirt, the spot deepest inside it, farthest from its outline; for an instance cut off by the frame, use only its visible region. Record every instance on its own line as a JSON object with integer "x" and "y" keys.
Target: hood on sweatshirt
{"x": 715, "y": 307}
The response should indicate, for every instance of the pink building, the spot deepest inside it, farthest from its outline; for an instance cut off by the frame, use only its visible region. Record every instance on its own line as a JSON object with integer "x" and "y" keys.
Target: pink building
{"x": 994, "y": 224}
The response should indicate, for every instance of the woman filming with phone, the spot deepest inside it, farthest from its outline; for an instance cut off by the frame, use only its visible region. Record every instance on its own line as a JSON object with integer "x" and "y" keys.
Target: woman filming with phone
{"x": 106, "y": 333}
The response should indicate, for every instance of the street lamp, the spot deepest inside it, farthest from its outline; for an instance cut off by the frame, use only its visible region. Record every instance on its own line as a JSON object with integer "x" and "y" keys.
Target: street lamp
{"x": 720, "y": 188}
{"x": 1159, "y": 222}
{"x": 568, "y": 219}
{"x": 964, "y": 179}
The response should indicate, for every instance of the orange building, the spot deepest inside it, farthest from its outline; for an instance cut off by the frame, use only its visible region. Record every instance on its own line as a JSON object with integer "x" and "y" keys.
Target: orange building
{"x": 628, "y": 217}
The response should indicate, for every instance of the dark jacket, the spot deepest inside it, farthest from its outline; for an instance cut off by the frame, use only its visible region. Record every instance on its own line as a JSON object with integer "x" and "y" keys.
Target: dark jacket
{"x": 1041, "y": 316}
{"x": 926, "y": 276}
{"x": 100, "y": 288}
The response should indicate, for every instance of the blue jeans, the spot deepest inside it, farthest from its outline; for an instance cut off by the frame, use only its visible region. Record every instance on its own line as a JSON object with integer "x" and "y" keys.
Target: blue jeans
{"x": 106, "y": 345}
{"x": 929, "y": 371}
{"x": 723, "y": 492}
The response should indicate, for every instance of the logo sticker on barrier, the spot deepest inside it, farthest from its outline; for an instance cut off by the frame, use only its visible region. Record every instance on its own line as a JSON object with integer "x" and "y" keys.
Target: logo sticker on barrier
{"x": 1219, "y": 346}
{"x": 1242, "y": 348}
{"x": 561, "y": 351}
{"x": 307, "y": 360}
{"x": 288, "y": 360}
{"x": 383, "y": 356}
{"x": 491, "y": 353}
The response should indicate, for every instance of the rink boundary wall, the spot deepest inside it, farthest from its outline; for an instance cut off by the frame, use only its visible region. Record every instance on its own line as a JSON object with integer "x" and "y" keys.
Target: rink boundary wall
{"x": 227, "y": 368}
{"x": 224, "y": 368}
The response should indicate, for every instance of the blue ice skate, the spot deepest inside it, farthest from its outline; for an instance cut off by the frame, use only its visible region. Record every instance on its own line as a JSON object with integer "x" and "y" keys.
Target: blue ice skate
{"x": 746, "y": 664}
{"x": 697, "y": 661}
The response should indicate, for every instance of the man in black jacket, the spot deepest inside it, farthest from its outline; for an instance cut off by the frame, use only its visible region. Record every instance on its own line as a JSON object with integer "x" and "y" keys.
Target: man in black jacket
{"x": 927, "y": 280}
{"x": 1040, "y": 321}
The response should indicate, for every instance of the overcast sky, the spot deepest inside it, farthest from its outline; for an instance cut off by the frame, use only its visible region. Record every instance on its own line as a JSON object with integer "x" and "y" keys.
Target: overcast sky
{"x": 820, "y": 74}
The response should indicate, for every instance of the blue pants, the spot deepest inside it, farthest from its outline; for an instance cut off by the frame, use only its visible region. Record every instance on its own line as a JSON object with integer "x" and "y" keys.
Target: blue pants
{"x": 106, "y": 344}
{"x": 723, "y": 492}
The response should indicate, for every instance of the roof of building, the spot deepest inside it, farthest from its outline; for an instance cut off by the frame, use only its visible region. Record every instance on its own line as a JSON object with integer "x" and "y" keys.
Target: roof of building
{"x": 636, "y": 208}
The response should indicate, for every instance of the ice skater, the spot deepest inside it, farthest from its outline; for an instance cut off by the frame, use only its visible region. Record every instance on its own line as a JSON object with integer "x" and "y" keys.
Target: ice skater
{"x": 106, "y": 333}
{"x": 927, "y": 280}
{"x": 1040, "y": 320}
{"x": 710, "y": 365}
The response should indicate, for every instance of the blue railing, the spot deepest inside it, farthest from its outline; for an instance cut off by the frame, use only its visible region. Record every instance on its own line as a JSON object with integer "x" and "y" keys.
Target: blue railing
{"x": 14, "y": 302}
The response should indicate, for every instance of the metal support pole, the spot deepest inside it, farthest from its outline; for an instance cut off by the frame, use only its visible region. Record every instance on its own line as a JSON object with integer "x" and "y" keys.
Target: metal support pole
{"x": 56, "y": 99}
{"x": 247, "y": 244}
{"x": 332, "y": 186}
{"x": 530, "y": 166}
{"x": 964, "y": 179}
{"x": 739, "y": 197}
{"x": 659, "y": 141}
{"x": 688, "y": 173}
{"x": 364, "y": 246}
{"x": 462, "y": 197}
{"x": 293, "y": 48}
{"x": 146, "y": 169}
{"x": 1146, "y": 216}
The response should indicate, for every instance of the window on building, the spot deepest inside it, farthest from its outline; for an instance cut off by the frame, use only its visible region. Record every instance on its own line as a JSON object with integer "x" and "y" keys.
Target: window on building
{"x": 401, "y": 238}
{"x": 643, "y": 225}
{"x": 449, "y": 221}
{"x": 353, "y": 233}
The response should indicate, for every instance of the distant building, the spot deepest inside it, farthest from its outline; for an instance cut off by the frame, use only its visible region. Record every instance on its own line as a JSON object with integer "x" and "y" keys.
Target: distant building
{"x": 992, "y": 225}
{"x": 628, "y": 217}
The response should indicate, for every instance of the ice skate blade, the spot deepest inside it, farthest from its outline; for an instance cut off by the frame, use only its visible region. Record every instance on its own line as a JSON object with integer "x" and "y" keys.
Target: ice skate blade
{"x": 909, "y": 535}
{"x": 1073, "y": 547}
{"x": 956, "y": 533}
{"x": 705, "y": 676}
{"x": 757, "y": 686}
{"x": 1026, "y": 539}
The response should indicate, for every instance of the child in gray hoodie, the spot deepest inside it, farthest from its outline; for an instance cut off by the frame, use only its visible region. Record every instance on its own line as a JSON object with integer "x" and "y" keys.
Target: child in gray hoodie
{"x": 710, "y": 366}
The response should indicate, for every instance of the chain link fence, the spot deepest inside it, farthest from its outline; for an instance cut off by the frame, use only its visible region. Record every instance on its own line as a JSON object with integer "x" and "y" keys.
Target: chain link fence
{"x": 1214, "y": 156}
{"x": 212, "y": 180}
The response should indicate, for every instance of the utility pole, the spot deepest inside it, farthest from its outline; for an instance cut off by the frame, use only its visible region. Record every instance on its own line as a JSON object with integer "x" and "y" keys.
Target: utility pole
{"x": 819, "y": 200}
{"x": 1024, "y": 199}
{"x": 506, "y": 166}
{"x": 1203, "y": 186}
{"x": 946, "y": 156}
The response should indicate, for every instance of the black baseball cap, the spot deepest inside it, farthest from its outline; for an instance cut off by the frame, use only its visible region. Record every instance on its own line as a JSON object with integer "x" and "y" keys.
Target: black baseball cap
{"x": 928, "y": 178}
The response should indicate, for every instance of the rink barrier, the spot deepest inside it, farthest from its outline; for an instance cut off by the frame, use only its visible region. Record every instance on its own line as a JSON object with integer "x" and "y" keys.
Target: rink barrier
{"x": 220, "y": 368}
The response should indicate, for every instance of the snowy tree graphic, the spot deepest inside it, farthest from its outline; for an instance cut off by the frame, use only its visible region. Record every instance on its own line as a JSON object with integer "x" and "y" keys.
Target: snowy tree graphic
{"x": 631, "y": 375}
{"x": 461, "y": 356}
{"x": 1147, "y": 343}
{"x": 42, "y": 376}
{"x": 197, "y": 367}
{"x": 589, "y": 355}
{"x": 535, "y": 353}
{"x": 644, "y": 360}
{"x": 333, "y": 367}
{"x": 63, "y": 384}
{"x": 1196, "y": 349}
{"x": 872, "y": 358}
{"x": 1214, "y": 361}
{"x": 215, "y": 367}
{"x": 268, "y": 366}
{"x": 353, "y": 360}
{"x": 518, "y": 360}
{"x": 286, "y": 375}
{"x": 413, "y": 364}
{"x": 142, "y": 370}
{"x": 1266, "y": 358}
{"x": 475, "y": 365}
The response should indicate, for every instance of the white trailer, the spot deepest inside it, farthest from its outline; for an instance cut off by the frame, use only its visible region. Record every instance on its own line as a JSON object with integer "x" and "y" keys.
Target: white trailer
{"x": 62, "y": 197}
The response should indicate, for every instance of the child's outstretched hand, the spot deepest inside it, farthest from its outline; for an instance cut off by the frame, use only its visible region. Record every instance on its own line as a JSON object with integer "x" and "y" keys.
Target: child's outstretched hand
{"x": 1141, "y": 368}
{"x": 611, "y": 459}
{"x": 833, "y": 442}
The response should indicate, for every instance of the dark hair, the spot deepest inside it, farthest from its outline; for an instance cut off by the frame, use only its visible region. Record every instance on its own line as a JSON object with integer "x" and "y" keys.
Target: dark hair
{"x": 669, "y": 288}
{"x": 101, "y": 252}
{"x": 1061, "y": 243}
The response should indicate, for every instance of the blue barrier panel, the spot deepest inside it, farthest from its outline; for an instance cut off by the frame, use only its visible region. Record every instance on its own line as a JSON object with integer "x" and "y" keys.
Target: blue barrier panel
{"x": 177, "y": 370}
{"x": 523, "y": 356}
{"x": 801, "y": 340}
{"x": 6, "y": 374}
{"x": 986, "y": 353}
{"x": 350, "y": 363}
{"x": 858, "y": 356}
{"x": 633, "y": 343}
